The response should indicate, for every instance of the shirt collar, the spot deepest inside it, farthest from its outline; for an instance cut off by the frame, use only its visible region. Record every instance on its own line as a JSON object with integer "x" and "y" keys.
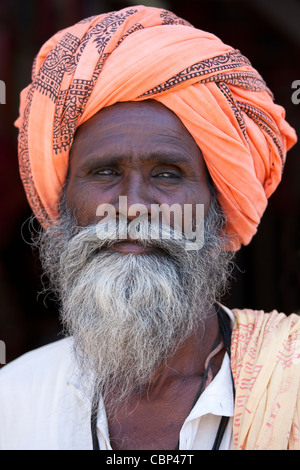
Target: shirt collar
{"x": 217, "y": 398}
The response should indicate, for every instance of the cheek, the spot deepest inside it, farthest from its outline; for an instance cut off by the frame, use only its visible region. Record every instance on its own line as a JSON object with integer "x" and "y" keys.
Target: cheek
{"x": 83, "y": 204}
{"x": 185, "y": 201}
{"x": 197, "y": 194}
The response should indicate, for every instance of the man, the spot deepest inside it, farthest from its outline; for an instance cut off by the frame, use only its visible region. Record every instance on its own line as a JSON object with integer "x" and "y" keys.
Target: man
{"x": 130, "y": 114}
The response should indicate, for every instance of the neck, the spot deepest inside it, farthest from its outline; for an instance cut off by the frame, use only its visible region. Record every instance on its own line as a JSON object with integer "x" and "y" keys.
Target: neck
{"x": 189, "y": 359}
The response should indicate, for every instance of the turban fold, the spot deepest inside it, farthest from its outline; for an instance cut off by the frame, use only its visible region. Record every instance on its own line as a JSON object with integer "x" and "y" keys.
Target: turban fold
{"x": 143, "y": 53}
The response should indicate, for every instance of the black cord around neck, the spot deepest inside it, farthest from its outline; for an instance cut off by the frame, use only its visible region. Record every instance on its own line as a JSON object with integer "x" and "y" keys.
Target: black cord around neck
{"x": 224, "y": 332}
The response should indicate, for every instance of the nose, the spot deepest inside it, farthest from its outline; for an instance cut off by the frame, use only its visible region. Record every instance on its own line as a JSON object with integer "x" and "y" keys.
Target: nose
{"x": 135, "y": 199}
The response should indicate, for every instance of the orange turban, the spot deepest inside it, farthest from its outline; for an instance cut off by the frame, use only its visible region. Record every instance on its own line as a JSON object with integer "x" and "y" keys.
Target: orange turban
{"x": 143, "y": 53}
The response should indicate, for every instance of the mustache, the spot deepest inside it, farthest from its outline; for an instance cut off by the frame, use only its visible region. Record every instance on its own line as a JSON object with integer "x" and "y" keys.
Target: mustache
{"x": 101, "y": 236}
{"x": 140, "y": 231}
{"x": 167, "y": 246}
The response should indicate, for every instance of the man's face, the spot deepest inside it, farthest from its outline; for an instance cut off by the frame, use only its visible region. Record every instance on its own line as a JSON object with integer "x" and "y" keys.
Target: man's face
{"x": 140, "y": 150}
{"x": 127, "y": 313}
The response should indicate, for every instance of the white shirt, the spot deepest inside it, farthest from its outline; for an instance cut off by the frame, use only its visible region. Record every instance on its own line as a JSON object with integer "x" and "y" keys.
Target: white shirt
{"x": 42, "y": 406}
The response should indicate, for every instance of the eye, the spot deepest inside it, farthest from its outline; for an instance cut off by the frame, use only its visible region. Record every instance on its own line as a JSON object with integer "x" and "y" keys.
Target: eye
{"x": 167, "y": 174}
{"x": 105, "y": 172}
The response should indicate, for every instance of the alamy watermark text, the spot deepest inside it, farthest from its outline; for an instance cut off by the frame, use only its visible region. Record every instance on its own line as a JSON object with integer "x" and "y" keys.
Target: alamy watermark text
{"x": 2, "y": 92}
{"x": 185, "y": 222}
{"x": 296, "y": 93}
{"x": 2, "y": 353}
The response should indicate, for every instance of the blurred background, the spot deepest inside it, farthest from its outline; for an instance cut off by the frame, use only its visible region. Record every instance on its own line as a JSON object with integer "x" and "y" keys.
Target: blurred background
{"x": 265, "y": 31}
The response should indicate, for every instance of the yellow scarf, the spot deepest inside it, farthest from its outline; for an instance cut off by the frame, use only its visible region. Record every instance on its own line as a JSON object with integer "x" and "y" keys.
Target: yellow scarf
{"x": 265, "y": 361}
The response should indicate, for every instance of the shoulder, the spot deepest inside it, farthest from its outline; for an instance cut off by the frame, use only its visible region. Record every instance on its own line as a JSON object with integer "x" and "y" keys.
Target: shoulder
{"x": 39, "y": 404}
{"x": 272, "y": 333}
{"x": 255, "y": 320}
{"x": 265, "y": 359}
{"x": 36, "y": 366}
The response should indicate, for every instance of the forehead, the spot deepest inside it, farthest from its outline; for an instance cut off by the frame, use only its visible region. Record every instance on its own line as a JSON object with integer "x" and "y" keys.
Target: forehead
{"x": 135, "y": 130}
{"x": 145, "y": 114}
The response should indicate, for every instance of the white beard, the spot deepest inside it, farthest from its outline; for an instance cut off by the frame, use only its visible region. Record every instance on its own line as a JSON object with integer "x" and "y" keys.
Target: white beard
{"x": 129, "y": 313}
